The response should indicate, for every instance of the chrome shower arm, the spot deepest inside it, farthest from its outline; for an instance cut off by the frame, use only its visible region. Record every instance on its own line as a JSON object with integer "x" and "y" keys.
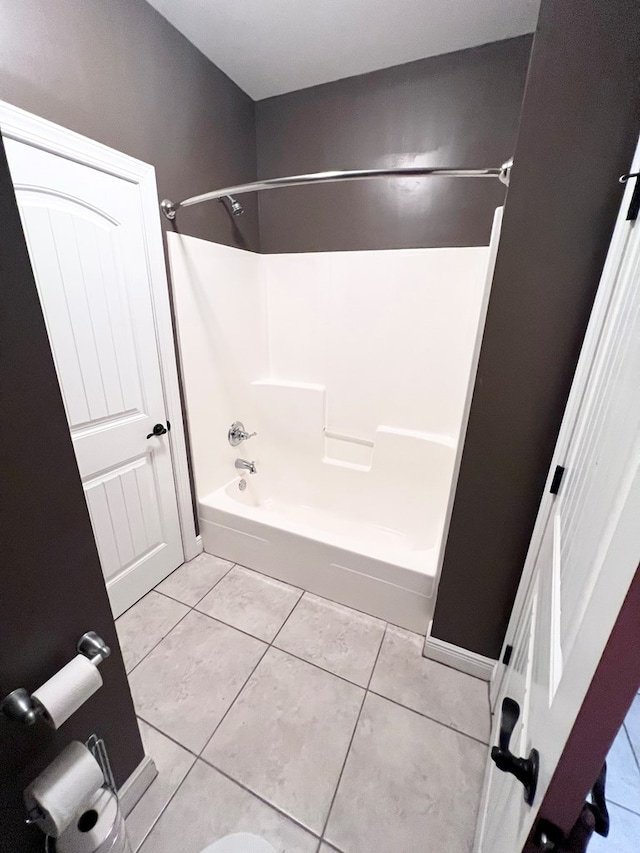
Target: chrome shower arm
{"x": 170, "y": 208}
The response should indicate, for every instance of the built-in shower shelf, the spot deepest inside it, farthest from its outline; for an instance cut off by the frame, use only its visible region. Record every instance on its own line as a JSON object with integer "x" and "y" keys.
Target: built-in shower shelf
{"x": 340, "y": 436}
{"x": 347, "y": 451}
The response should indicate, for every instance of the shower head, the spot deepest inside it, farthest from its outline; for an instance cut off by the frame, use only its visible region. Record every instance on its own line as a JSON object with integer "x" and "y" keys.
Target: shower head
{"x": 236, "y": 208}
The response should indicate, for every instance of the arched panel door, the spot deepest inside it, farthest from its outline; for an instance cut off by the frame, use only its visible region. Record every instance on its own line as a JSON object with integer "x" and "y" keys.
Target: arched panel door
{"x": 87, "y": 247}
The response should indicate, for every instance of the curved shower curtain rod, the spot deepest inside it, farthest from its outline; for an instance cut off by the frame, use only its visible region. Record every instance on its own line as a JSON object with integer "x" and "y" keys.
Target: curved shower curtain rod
{"x": 170, "y": 208}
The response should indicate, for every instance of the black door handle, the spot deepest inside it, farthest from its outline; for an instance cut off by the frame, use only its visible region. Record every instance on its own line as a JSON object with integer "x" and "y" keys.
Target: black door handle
{"x": 524, "y": 769}
{"x": 158, "y": 429}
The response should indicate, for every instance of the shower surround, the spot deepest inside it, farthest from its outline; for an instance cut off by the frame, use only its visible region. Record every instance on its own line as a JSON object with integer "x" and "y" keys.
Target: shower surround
{"x": 354, "y": 368}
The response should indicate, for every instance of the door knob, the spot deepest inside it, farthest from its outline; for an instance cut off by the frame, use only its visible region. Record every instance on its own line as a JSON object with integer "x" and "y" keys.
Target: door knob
{"x": 524, "y": 769}
{"x": 158, "y": 429}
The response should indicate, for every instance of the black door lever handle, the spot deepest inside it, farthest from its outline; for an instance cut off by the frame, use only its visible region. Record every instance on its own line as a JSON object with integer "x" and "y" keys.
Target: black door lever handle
{"x": 158, "y": 429}
{"x": 524, "y": 769}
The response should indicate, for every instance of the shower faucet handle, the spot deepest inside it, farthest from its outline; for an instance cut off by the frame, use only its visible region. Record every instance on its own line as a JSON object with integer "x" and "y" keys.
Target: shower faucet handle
{"x": 237, "y": 434}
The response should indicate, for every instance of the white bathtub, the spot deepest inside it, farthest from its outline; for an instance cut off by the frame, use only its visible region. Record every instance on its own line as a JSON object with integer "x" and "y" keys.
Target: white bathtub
{"x": 354, "y": 370}
{"x": 330, "y": 547}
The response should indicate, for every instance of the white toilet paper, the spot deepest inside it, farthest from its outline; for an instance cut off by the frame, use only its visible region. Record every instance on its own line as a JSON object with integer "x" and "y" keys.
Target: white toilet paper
{"x": 100, "y": 828}
{"x": 63, "y": 789}
{"x": 67, "y": 690}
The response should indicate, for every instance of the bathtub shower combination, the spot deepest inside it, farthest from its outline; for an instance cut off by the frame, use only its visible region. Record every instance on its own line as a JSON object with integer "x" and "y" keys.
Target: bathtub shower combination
{"x": 327, "y": 397}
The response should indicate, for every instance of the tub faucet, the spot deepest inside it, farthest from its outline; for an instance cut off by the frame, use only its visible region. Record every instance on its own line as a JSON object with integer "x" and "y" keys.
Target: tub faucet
{"x": 243, "y": 465}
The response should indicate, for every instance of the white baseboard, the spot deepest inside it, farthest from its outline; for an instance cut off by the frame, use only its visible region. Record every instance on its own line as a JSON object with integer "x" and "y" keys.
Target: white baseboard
{"x": 192, "y": 548}
{"x": 136, "y": 785}
{"x": 458, "y": 658}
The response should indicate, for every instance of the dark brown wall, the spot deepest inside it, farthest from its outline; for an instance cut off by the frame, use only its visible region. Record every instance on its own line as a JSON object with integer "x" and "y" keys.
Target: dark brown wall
{"x": 116, "y": 71}
{"x": 580, "y": 122}
{"x": 51, "y": 584}
{"x": 460, "y": 109}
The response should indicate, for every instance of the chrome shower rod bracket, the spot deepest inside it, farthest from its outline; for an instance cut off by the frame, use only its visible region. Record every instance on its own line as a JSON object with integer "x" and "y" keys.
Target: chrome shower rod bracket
{"x": 503, "y": 173}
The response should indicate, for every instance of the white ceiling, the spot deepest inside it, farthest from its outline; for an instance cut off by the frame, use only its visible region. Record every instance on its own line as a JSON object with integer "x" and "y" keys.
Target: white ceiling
{"x": 273, "y": 46}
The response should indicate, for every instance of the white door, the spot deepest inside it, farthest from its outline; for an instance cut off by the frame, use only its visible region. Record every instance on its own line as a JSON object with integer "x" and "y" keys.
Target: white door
{"x": 583, "y": 555}
{"x": 90, "y": 258}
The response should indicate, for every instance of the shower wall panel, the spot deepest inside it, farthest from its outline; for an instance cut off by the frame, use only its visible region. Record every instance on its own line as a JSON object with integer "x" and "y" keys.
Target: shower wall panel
{"x": 350, "y": 366}
{"x": 353, "y": 368}
{"x": 221, "y": 313}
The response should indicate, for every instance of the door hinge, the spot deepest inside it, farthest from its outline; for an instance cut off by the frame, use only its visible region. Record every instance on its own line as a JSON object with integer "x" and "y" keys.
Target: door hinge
{"x": 634, "y": 204}
{"x": 506, "y": 657}
{"x": 557, "y": 479}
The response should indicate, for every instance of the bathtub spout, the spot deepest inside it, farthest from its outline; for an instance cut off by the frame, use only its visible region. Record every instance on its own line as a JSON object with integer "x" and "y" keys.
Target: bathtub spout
{"x": 243, "y": 465}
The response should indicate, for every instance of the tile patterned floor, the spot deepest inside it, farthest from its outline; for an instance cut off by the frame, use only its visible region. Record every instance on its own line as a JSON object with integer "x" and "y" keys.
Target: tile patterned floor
{"x": 273, "y": 711}
{"x": 623, "y": 789}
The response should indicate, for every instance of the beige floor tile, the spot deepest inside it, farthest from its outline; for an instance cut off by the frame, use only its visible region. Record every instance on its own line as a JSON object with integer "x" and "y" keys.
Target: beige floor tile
{"x": 193, "y": 580}
{"x": 632, "y": 724}
{"x": 440, "y": 692}
{"x": 409, "y": 784}
{"x": 252, "y": 602}
{"x": 142, "y": 626}
{"x": 208, "y": 806}
{"x": 187, "y": 683}
{"x": 624, "y": 833}
{"x": 623, "y": 776}
{"x": 172, "y": 763}
{"x": 287, "y": 736}
{"x": 334, "y": 637}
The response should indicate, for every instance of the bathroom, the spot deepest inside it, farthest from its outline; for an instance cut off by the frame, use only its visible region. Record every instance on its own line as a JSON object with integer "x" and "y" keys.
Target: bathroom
{"x": 297, "y": 433}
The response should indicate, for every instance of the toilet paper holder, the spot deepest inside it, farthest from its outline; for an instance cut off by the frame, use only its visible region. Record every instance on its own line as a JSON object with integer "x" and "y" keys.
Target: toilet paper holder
{"x": 19, "y": 705}
{"x": 98, "y": 749}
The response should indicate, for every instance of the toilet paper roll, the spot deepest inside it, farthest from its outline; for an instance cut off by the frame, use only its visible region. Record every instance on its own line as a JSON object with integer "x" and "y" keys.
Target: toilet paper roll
{"x": 67, "y": 690}
{"x": 100, "y": 828}
{"x": 64, "y": 788}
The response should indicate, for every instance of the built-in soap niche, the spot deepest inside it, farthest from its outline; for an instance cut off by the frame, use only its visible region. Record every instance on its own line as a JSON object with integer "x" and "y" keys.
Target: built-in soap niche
{"x": 347, "y": 450}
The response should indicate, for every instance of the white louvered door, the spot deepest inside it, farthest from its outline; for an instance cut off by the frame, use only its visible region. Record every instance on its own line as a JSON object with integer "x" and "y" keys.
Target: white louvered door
{"x": 87, "y": 246}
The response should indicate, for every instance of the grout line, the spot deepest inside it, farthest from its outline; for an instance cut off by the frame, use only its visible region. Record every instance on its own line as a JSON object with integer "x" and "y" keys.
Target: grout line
{"x": 331, "y": 847}
{"x": 233, "y": 627}
{"x": 193, "y": 606}
{"x": 633, "y": 751}
{"x": 166, "y": 805}
{"x": 265, "y": 575}
{"x": 337, "y": 603}
{"x": 295, "y": 607}
{"x": 155, "y": 646}
{"x": 168, "y": 737}
{"x": 170, "y": 597}
{"x": 224, "y": 716}
{"x": 226, "y": 574}
{"x": 268, "y": 646}
{"x": 271, "y": 645}
{"x": 317, "y": 666}
{"x": 353, "y": 734}
{"x": 184, "y": 615}
{"x": 150, "y": 828}
{"x": 260, "y": 797}
{"x": 427, "y": 717}
{"x": 611, "y": 802}
{"x": 198, "y": 756}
